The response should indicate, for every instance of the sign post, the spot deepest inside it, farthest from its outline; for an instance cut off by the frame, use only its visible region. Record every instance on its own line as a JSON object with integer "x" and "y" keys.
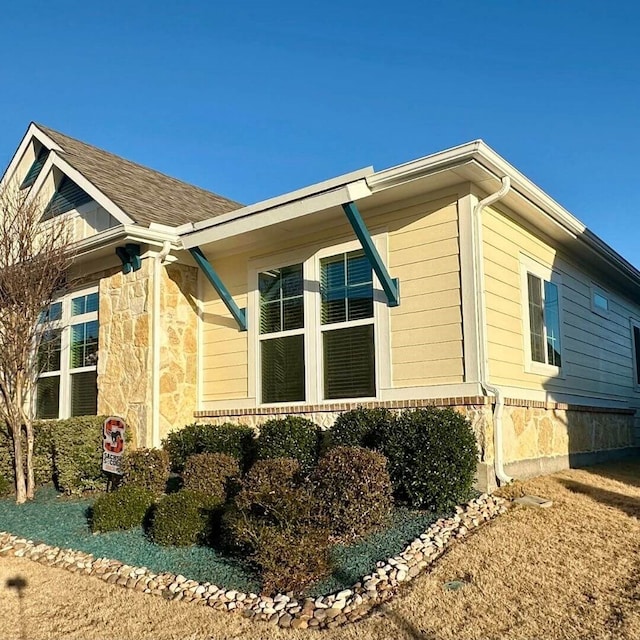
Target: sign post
{"x": 113, "y": 445}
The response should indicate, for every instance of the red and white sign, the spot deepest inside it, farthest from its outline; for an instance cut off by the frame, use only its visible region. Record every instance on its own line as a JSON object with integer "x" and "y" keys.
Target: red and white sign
{"x": 113, "y": 444}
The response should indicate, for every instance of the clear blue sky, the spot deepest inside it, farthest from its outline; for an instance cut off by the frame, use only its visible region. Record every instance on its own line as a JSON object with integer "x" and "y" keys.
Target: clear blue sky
{"x": 252, "y": 99}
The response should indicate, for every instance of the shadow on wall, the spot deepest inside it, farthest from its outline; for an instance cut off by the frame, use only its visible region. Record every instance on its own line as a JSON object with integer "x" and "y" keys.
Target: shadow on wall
{"x": 577, "y": 349}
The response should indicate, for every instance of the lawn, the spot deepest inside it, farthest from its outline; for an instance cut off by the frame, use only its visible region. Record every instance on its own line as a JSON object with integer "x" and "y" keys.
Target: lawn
{"x": 62, "y": 522}
{"x": 569, "y": 572}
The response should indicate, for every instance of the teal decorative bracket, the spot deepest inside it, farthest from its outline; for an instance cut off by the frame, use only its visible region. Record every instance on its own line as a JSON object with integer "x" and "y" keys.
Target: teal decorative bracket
{"x": 218, "y": 285}
{"x": 390, "y": 285}
{"x": 130, "y": 257}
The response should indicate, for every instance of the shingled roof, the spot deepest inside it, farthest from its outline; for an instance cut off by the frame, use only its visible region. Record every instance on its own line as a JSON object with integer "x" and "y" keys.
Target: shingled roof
{"x": 144, "y": 194}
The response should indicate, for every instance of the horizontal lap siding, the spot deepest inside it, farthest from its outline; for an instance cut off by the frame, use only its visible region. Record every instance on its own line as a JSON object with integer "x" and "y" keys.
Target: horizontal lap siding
{"x": 426, "y": 329}
{"x": 597, "y": 351}
{"x": 224, "y": 349}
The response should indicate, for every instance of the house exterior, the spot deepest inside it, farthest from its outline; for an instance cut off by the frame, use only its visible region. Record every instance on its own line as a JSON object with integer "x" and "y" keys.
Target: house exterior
{"x": 451, "y": 280}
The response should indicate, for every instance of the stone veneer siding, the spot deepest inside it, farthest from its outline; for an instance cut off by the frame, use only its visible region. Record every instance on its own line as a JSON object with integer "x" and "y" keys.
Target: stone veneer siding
{"x": 125, "y": 381}
{"x": 539, "y": 437}
{"x": 178, "y": 347}
{"x": 124, "y": 362}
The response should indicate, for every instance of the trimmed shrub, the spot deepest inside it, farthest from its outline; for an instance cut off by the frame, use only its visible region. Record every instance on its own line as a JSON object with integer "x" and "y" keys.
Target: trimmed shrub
{"x": 232, "y": 439}
{"x": 124, "y": 508}
{"x": 352, "y": 488}
{"x": 146, "y": 468}
{"x": 273, "y": 491}
{"x": 432, "y": 457}
{"x": 42, "y": 453}
{"x": 211, "y": 474}
{"x": 77, "y": 454}
{"x": 361, "y": 427}
{"x": 290, "y": 437}
{"x": 292, "y": 559}
{"x": 181, "y": 519}
{"x": 6, "y": 487}
{"x": 276, "y": 523}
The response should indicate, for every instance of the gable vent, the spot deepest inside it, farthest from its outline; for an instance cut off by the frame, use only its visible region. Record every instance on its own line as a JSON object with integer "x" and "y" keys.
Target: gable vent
{"x": 67, "y": 196}
{"x": 35, "y": 168}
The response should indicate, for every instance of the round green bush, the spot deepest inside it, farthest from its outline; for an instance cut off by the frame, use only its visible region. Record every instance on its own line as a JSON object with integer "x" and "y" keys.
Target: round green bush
{"x": 361, "y": 427}
{"x": 181, "y": 519}
{"x": 146, "y": 468}
{"x": 211, "y": 474}
{"x": 290, "y": 437}
{"x": 124, "y": 508}
{"x": 432, "y": 457}
{"x": 353, "y": 489}
{"x": 233, "y": 439}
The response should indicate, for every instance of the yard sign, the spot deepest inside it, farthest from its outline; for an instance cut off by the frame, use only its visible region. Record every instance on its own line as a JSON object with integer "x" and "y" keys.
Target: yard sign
{"x": 113, "y": 444}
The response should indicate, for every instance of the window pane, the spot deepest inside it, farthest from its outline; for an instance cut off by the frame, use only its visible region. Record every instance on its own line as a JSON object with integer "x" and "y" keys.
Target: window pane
{"x": 333, "y": 290}
{"x": 49, "y": 351}
{"x": 84, "y": 344}
{"x": 536, "y": 324}
{"x": 270, "y": 317}
{"x": 54, "y": 312}
{"x": 636, "y": 346}
{"x": 48, "y": 397}
{"x": 349, "y": 363}
{"x": 552, "y": 323}
{"x": 283, "y": 369}
{"x": 281, "y": 299}
{"x": 84, "y": 304}
{"x": 293, "y": 314}
{"x": 346, "y": 285}
{"x": 84, "y": 394}
{"x": 600, "y": 301}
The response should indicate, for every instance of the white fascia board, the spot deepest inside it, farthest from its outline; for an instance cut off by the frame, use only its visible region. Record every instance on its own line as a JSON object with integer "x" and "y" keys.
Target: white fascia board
{"x": 271, "y": 203}
{"x": 497, "y": 167}
{"x": 129, "y": 233}
{"x": 290, "y": 209}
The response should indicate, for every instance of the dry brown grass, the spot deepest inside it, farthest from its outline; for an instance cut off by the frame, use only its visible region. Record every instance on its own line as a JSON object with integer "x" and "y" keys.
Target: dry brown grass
{"x": 569, "y": 572}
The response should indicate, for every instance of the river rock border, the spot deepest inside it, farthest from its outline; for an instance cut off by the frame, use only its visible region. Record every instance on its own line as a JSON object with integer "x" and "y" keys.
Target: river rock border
{"x": 284, "y": 610}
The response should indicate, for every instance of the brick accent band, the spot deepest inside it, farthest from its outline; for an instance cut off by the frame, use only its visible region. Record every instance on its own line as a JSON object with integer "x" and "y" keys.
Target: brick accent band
{"x": 461, "y": 401}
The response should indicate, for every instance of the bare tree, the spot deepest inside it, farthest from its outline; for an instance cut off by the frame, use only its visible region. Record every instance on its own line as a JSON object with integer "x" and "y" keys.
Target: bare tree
{"x": 35, "y": 257}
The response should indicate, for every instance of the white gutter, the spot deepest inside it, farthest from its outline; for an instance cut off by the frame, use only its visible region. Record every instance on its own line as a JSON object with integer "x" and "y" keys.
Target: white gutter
{"x": 481, "y": 328}
{"x": 158, "y": 261}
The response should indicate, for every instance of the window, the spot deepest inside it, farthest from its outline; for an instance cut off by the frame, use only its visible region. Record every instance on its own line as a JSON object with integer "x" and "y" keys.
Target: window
{"x": 635, "y": 333}
{"x": 282, "y": 334}
{"x": 68, "y": 357}
{"x": 316, "y": 342}
{"x": 599, "y": 301}
{"x": 346, "y": 288}
{"x": 543, "y": 314}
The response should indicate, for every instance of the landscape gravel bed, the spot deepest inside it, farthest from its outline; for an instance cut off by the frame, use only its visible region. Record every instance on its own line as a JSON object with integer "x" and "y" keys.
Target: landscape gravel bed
{"x": 328, "y": 611}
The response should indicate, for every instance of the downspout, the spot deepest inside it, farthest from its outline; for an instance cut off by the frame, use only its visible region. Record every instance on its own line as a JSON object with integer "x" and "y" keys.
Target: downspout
{"x": 158, "y": 261}
{"x": 481, "y": 327}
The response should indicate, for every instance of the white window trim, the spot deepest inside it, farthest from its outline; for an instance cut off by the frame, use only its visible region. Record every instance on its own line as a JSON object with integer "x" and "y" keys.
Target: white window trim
{"x": 595, "y": 289}
{"x": 65, "y": 372}
{"x": 314, "y": 375}
{"x": 532, "y": 266}
{"x": 633, "y": 322}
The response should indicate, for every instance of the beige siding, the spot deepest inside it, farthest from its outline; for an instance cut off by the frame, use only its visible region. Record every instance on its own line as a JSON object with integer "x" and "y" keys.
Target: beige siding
{"x": 597, "y": 351}
{"x": 426, "y": 329}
